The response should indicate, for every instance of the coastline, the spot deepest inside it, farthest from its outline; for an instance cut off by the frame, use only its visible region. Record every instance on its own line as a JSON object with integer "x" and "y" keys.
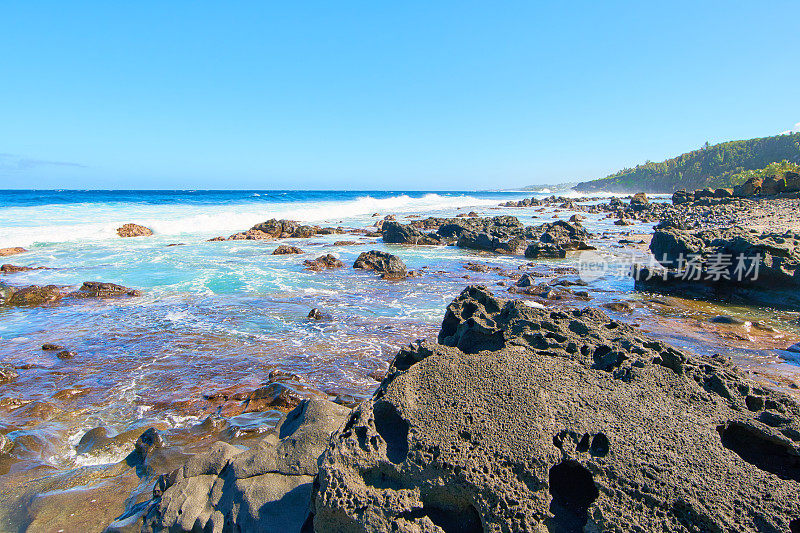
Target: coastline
{"x": 243, "y": 411}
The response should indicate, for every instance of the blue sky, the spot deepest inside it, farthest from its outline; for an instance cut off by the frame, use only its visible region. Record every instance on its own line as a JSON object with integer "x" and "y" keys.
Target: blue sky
{"x": 381, "y": 95}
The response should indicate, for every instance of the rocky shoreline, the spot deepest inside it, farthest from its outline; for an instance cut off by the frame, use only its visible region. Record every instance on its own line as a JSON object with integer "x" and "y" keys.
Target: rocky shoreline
{"x": 517, "y": 419}
{"x": 537, "y": 414}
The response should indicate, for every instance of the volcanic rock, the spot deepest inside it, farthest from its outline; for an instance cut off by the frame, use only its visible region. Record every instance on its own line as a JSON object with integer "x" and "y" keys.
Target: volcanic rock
{"x": 133, "y": 230}
{"x": 390, "y": 266}
{"x": 100, "y": 289}
{"x": 267, "y": 488}
{"x": 525, "y": 419}
{"x": 12, "y": 251}
{"x": 285, "y": 249}
{"x": 323, "y": 262}
{"x": 726, "y": 264}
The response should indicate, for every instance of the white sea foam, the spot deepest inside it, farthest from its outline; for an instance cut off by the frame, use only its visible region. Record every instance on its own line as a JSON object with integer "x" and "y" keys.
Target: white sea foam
{"x": 25, "y": 226}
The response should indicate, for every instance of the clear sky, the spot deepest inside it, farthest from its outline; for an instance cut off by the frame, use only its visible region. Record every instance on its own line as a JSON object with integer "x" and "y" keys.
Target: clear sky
{"x": 381, "y": 95}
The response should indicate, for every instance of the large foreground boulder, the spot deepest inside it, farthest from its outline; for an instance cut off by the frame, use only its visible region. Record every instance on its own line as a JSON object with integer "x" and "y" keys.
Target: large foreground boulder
{"x": 267, "y": 488}
{"x": 525, "y": 419}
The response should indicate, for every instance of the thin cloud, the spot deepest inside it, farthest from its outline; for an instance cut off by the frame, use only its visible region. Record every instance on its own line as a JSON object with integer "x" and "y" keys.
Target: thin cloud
{"x": 13, "y": 162}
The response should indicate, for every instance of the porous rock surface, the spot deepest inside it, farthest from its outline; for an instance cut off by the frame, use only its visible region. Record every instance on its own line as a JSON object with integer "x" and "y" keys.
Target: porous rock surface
{"x": 525, "y": 419}
{"x": 267, "y": 488}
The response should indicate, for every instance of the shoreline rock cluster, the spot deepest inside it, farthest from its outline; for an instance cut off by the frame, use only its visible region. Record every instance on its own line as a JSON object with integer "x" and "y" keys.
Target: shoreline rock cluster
{"x": 279, "y": 229}
{"x": 500, "y": 234}
{"x": 748, "y": 266}
{"x": 515, "y": 419}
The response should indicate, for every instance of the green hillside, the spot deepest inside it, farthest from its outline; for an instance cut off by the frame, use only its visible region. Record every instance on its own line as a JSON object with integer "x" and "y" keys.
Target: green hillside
{"x": 721, "y": 165}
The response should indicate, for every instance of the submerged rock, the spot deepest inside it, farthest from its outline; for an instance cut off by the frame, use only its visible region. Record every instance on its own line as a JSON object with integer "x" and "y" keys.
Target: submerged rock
{"x": 524, "y": 419}
{"x": 390, "y": 266}
{"x": 133, "y": 230}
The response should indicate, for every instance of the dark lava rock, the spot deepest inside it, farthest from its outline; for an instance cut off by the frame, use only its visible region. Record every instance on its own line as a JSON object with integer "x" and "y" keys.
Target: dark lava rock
{"x": 100, "y": 289}
{"x": 490, "y": 243}
{"x": 52, "y": 347}
{"x": 285, "y": 249}
{"x": 396, "y": 233}
{"x": 315, "y": 314}
{"x": 266, "y": 488}
{"x": 539, "y": 250}
{"x": 133, "y": 230}
{"x": 727, "y": 264}
{"x": 523, "y": 419}
{"x": 65, "y": 354}
{"x": 390, "y": 266}
{"x": 324, "y": 262}
{"x": 623, "y": 222}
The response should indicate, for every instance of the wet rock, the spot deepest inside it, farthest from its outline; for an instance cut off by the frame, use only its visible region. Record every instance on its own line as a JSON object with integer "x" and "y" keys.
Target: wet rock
{"x": 795, "y": 348}
{"x": 315, "y": 314}
{"x": 396, "y": 233}
{"x": 324, "y": 262}
{"x": 33, "y": 295}
{"x": 728, "y": 320}
{"x": 390, "y": 266}
{"x": 133, "y": 230}
{"x": 101, "y": 289}
{"x": 250, "y": 235}
{"x": 527, "y": 419}
{"x": 539, "y": 250}
{"x": 65, "y": 354}
{"x": 13, "y": 269}
{"x": 7, "y": 374}
{"x": 148, "y": 442}
{"x": 52, "y": 347}
{"x": 285, "y": 249}
{"x": 491, "y": 243}
{"x": 623, "y": 222}
{"x": 344, "y": 243}
{"x": 619, "y": 307}
{"x": 266, "y": 488}
{"x": 4, "y": 252}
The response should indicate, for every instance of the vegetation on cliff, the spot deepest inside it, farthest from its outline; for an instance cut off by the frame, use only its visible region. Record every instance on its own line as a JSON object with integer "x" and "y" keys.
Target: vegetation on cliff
{"x": 722, "y": 165}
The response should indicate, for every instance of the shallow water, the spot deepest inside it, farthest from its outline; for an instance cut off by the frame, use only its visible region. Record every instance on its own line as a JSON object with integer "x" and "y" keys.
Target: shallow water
{"x": 220, "y": 316}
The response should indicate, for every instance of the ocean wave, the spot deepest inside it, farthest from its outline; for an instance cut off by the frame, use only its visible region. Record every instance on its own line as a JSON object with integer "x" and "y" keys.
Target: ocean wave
{"x": 98, "y": 221}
